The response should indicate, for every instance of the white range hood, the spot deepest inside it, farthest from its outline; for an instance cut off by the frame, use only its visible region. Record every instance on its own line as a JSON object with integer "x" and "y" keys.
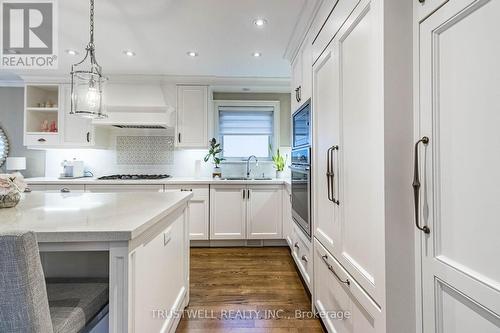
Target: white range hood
{"x": 137, "y": 106}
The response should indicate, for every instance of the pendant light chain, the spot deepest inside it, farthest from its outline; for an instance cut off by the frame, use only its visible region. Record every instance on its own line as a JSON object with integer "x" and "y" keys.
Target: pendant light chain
{"x": 91, "y": 43}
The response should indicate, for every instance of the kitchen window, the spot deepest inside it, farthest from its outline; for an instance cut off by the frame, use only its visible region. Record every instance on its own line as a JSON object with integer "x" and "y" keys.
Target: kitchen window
{"x": 247, "y": 128}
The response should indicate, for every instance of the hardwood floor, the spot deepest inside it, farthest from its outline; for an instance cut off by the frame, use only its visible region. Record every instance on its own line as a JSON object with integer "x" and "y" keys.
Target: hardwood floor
{"x": 242, "y": 290}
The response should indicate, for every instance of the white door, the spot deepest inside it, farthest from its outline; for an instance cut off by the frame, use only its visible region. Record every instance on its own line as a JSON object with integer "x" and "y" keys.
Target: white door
{"x": 227, "y": 211}
{"x": 192, "y": 116}
{"x": 460, "y": 193}
{"x": 264, "y": 212}
{"x": 326, "y": 134}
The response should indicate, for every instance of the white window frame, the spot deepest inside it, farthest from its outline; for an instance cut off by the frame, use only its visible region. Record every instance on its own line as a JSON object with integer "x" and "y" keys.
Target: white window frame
{"x": 276, "y": 121}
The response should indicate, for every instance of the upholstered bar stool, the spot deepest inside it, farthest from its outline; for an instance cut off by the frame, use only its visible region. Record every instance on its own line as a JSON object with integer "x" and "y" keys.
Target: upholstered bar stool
{"x": 30, "y": 305}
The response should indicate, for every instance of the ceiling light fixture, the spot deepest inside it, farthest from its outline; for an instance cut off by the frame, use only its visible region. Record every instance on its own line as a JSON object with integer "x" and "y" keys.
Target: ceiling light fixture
{"x": 129, "y": 53}
{"x": 87, "y": 81}
{"x": 192, "y": 54}
{"x": 257, "y": 54}
{"x": 72, "y": 52}
{"x": 260, "y": 22}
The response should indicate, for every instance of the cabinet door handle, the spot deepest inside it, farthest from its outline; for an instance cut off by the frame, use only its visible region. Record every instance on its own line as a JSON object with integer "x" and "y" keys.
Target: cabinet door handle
{"x": 186, "y": 190}
{"x": 88, "y": 136}
{"x": 330, "y": 268}
{"x": 244, "y": 194}
{"x": 421, "y": 1}
{"x": 65, "y": 190}
{"x": 330, "y": 174}
{"x": 179, "y": 137}
{"x": 298, "y": 96}
{"x": 27, "y": 190}
{"x": 296, "y": 245}
{"x": 41, "y": 140}
{"x": 304, "y": 258}
{"x": 416, "y": 187}
{"x": 248, "y": 194}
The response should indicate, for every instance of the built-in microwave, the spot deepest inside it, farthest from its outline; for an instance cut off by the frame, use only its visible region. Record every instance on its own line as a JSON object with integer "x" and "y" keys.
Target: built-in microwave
{"x": 301, "y": 128}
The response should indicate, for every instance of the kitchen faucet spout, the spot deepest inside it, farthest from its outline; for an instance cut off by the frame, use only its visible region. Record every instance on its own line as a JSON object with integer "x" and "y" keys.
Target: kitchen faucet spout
{"x": 248, "y": 164}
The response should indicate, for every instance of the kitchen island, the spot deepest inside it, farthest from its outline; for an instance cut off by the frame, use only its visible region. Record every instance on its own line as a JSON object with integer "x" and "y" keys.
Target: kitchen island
{"x": 146, "y": 237}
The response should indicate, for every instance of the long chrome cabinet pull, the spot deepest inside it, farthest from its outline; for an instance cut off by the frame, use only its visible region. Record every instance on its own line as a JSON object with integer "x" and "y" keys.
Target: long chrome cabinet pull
{"x": 416, "y": 187}
{"x": 330, "y": 268}
{"x": 330, "y": 175}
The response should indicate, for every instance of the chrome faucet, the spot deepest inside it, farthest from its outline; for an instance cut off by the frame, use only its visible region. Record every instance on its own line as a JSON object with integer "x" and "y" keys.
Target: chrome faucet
{"x": 248, "y": 164}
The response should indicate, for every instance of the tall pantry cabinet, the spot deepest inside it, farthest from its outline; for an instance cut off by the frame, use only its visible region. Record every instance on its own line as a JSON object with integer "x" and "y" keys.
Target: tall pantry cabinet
{"x": 456, "y": 127}
{"x": 362, "y": 125}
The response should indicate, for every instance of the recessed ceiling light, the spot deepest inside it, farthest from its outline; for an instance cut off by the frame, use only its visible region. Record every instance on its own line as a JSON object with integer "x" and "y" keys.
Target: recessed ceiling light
{"x": 257, "y": 54}
{"x": 72, "y": 52}
{"x": 129, "y": 53}
{"x": 192, "y": 54}
{"x": 260, "y": 22}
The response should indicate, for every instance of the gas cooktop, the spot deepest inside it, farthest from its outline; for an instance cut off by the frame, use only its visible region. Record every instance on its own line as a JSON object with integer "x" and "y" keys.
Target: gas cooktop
{"x": 133, "y": 177}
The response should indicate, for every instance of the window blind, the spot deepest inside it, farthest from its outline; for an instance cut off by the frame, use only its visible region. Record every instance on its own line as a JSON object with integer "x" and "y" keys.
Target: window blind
{"x": 241, "y": 120}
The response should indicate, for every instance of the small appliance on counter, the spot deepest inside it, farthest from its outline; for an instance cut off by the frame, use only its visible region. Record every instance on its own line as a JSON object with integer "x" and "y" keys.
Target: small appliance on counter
{"x": 72, "y": 169}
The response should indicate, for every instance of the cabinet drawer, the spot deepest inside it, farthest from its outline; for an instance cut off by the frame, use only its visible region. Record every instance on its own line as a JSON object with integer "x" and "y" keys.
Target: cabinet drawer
{"x": 328, "y": 30}
{"x": 301, "y": 252}
{"x": 57, "y": 188}
{"x": 41, "y": 140}
{"x": 200, "y": 192}
{"x": 124, "y": 188}
{"x": 335, "y": 290}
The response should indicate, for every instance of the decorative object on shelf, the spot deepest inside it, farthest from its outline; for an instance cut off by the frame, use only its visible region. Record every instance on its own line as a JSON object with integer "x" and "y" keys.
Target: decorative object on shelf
{"x": 278, "y": 161}
{"x": 16, "y": 164}
{"x": 53, "y": 126}
{"x": 87, "y": 81}
{"x": 213, "y": 152}
{"x": 4, "y": 147}
{"x": 11, "y": 187}
{"x": 44, "y": 127}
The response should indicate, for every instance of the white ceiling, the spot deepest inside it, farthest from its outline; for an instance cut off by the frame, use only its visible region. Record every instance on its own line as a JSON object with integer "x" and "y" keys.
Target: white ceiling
{"x": 162, "y": 31}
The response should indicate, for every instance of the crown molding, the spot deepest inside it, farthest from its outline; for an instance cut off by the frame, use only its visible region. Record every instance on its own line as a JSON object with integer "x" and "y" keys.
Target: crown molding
{"x": 301, "y": 28}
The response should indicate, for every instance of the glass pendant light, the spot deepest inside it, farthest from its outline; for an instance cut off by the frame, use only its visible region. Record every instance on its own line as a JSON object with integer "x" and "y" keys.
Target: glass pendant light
{"x": 87, "y": 81}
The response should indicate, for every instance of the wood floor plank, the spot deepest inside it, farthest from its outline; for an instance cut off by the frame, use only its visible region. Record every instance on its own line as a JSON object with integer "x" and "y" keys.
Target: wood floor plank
{"x": 246, "y": 290}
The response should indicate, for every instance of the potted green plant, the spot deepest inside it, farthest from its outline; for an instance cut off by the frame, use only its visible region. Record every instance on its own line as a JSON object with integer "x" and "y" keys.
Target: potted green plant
{"x": 279, "y": 162}
{"x": 214, "y": 151}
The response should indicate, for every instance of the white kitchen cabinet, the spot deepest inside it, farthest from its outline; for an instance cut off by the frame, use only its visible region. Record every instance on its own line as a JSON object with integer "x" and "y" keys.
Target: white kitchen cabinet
{"x": 346, "y": 86}
{"x": 340, "y": 301}
{"x": 302, "y": 75}
{"x": 192, "y": 116}
{"x": 199, "y": 209}
{"x": 264, "y": 212}
{"x": 302, "y": 254}
{"x": 42, "y": 104}
{"x": 245, "y": 212}
{"x": 228, "y": 211}
{"x": 124, "y": 188}
{"x": 287, "y": 216}
{"x": 79, "y": 132}
{"x": 159, "y": 276}
{"x": 457, "y": 112}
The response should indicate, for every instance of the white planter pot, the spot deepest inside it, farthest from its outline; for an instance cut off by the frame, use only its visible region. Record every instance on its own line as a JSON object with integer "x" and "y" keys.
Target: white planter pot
{"x": 280, "y": 174}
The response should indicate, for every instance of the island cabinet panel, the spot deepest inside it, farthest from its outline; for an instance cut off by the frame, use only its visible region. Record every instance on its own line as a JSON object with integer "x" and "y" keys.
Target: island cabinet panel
{"x": 287, "y": 216}
{"x": 124, "y": 188}
{"x": 158, "y": 270}
{"x": 199, "y": 209}
{"x": 228, "y": 211}
{"x": 264, "y": 212}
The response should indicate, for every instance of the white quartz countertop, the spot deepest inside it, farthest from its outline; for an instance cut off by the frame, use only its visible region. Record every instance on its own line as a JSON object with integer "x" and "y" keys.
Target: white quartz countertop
{"x": 166, "y": 181}
{"x": 76, "y": 217}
